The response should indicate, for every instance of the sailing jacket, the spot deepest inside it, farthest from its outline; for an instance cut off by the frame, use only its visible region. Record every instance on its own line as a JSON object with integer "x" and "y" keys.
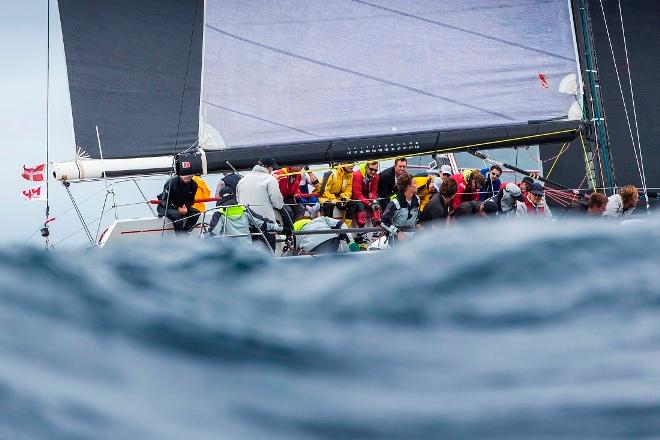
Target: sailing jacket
{"x": 339, "y": 185}
{"x": 386, "y": 186}
{"x": 461, "y": 195}
{"x": 364, "y": 190}
{"x": 180, "y": 194}
{"x": 309, "y": 242}
{"x": 228, "y": 181}
{"x": 399, "y": 213}
{"x": 528, "y": 209}
{"x": 424, "y": 185}
{"x": 260, "y": 192}
{"x": 289, "y": 185}
{"x": 614, "y": 209}
{"x": 236, "y": 220}
{"x": 203, "y": 192}
{"x": 491, "y": 187}
{"x": 436, "y": 209}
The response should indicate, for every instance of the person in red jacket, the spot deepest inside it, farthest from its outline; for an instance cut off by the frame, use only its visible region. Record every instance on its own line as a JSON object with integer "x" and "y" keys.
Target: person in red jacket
{"x": 288, "y": 178}
{"x": 364, "y": 199}
{"x": 469, "y": 183}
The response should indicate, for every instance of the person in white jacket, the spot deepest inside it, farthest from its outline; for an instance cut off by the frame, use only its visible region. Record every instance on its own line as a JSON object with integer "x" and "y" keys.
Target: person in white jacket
{"x": 533, "y": 204}
{"x": 620, "y": 206}
{"x": 259, "y": 190}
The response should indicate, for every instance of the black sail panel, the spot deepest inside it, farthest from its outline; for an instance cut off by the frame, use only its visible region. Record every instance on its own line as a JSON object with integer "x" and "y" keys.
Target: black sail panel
{"x": 641, "y": 20}
{"x": 128, "y": 64}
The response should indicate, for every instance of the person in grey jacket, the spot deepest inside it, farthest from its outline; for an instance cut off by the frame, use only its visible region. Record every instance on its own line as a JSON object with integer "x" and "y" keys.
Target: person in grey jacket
{"x": 321, "y": 243}
{"x": 621, "y": 205}
{"x": 238, "y": 221}
{"x": 402, "y": 211}
{"x": 259, "y": 190}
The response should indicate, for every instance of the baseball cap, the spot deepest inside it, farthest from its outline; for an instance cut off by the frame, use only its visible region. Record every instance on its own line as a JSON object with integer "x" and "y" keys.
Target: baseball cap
{"x": 528, "y": 180}
{"x": 536, "y": 189}
{"x": 445, "y": 169}
{"x": 514, "y": 191}
{"x": 267, "y": 161}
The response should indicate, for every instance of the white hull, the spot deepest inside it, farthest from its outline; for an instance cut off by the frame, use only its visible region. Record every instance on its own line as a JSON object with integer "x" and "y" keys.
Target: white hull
{"x": 139, "y": 230}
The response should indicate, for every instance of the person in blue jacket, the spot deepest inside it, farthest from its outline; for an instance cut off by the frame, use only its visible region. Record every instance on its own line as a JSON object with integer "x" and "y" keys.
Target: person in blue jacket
{"x": 493, "y": 183}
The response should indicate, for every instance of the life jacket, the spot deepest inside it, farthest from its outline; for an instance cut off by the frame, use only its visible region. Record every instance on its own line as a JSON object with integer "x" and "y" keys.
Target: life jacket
{"x": 289, "y": 184}
{"x": 424, "y": 184}
{"x": 297, "y": 226}
{"x": 462, "y": 195}
{"x": 365, "y": 190}
{"x": 533, "y": 209}
{"x": 339, "y": 184}
{"x": 203, "y": 192}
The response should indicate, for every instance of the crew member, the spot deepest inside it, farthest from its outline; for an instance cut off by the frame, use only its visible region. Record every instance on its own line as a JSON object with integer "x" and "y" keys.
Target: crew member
{"x": 403, "y": 210}
{"x": 289, "y": 180}
{"x": 387, "y": 180}
{"x": 533, "y": 204}
{"x": 259, "y": 191}
{"x": 337, "y": 189}
{"x": 469, "y": 183}
{"x": 364, "y": 200}
{"x": 493, "y": 183}
{"x": 622, "y": 205}
{"x": 176, "y": 203}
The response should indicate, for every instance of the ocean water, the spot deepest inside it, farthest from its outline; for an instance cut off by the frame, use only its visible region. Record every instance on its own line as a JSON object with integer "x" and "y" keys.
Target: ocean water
{"x": 483, "y": 331}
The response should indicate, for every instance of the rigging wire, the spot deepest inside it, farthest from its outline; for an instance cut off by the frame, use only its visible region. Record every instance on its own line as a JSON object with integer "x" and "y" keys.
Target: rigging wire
{"x": 178, "y": 127}
{"x": 44, "y": 231}
{"x": 632, "y": 99}
{"x": 80, "y": 216}
{"x": 598, "y": 118}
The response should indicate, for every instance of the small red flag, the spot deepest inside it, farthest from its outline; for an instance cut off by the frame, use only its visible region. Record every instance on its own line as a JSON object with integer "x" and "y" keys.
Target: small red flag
{"x": 34, "y": 194}
{"x": 544, "y": 81}
{"x": 35, "y": 174}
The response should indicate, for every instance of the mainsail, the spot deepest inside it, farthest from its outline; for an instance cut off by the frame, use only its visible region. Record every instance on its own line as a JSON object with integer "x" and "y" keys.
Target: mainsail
{"x": 317, "y": 81}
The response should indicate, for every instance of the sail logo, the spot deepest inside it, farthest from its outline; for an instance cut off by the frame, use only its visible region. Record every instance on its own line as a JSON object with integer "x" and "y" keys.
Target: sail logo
{"x": 544, "y": 81}
{"x": 35, "y": 174}
{"x": 32, "y": 194}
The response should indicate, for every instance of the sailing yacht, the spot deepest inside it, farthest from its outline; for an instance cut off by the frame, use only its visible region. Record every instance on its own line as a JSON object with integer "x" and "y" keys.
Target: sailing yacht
{"x": 199, "y": 87}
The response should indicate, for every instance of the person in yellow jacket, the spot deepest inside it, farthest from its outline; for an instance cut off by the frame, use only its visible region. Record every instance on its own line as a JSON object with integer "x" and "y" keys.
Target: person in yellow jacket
{"x": 203, "y": 192}
{"x": 425, "y": 189}
{"x": 337, "y": 189}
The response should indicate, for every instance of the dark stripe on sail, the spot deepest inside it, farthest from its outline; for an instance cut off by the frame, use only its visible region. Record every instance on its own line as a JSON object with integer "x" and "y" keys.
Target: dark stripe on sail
{"x": 259, "y": 118}
{"x": 360, "y": 74}
{"x": 467, "y": 31}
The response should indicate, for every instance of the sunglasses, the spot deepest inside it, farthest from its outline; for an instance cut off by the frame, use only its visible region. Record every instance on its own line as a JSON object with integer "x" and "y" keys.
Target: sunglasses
{"x": 375, "y": 170}
{"x": 495, "y": 174}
